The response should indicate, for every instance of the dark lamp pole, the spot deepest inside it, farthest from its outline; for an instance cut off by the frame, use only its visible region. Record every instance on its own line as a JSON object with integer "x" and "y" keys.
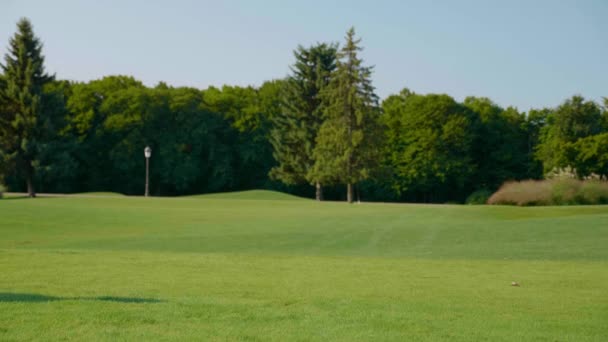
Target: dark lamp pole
{"x": 147, "y": 154}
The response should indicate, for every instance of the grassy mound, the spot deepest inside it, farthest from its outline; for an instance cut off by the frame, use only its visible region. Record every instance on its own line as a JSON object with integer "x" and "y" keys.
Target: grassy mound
{"x": 551, "y": 192}
{"x": 251, "y": 195}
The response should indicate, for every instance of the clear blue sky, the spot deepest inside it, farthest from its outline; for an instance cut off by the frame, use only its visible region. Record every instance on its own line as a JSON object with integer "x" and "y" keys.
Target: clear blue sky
{"x": 521, "y": 53}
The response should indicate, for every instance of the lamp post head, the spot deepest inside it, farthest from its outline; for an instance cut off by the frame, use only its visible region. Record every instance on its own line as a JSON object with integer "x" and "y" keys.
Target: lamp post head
{"x": 148, "y": 152}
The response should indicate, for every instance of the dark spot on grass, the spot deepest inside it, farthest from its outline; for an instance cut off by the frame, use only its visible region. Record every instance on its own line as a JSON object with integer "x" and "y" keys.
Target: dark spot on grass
{"x": 26, "y": 298}
{"x": 12, "y": 198}
{"x": 6, "y": 297}
{"x": 127, "y": 299}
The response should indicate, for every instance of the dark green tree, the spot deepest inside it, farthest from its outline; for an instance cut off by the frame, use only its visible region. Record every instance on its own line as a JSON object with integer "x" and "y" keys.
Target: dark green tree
{"x": 296, "y": 126}
{"x": 605, "y": 115}
{"x": 249, "y": 111}
{"x": 347, "y": 149}
{"x": 500, "y": 150}
{"x": 536, "y": 120}
{"x": 112, "y": 119}
{"x": 24, "y": 124}
{"x": 104, "y": 115}
{"x": 56, "y": 166}
{"x": 429, "y": 146}
{"x": 5, "y": 130}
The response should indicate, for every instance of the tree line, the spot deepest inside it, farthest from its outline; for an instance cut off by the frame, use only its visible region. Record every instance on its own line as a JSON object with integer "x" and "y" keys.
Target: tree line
{"x": 320, "y": 130}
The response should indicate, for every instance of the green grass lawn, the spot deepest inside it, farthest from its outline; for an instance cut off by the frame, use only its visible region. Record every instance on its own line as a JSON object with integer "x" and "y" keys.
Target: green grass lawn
{"x": 260, "y": 266}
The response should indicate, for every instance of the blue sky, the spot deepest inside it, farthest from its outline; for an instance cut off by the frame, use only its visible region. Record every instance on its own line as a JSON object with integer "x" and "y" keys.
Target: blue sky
{"x": 521, "y": 53}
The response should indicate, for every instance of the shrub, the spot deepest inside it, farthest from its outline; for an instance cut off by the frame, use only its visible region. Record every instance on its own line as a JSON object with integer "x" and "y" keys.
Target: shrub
{"x": 551, "y": 192}
{"x": 479, "y": 197}
{"x": 593, "y": 192}
{"x": 528, "y": 192}
{"x": 2, "y": 190}
{"x": 565, "y": 191}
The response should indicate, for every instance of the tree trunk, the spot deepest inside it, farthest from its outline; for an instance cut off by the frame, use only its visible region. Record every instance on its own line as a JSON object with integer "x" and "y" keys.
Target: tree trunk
{"x": 349, "y": 193}
{"x": 29, "y": 178}
{"x": 319, "y": 192}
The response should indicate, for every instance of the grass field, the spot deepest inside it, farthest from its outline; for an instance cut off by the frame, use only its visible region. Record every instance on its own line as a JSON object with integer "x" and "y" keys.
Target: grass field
{"x": 260, "y": 266}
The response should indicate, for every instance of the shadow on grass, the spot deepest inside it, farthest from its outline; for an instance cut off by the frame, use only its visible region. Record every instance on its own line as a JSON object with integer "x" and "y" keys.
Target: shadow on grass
{"x": 124, "y": 299}
{"x": 6, "y": 297}
{"x": 12, "y": 198}
{"x": 25, "y": 297}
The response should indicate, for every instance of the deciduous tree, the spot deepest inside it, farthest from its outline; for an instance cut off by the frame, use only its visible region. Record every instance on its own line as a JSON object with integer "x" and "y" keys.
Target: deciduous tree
{"x": 575, "y": 119}
{"x": 430, "y": 146}
{"x": 500, "y": 146}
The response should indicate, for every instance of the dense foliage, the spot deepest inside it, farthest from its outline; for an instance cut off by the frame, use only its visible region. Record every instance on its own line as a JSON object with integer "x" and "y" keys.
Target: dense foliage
{"x": 429, "y": 146}
{"x": 321, "y": 126}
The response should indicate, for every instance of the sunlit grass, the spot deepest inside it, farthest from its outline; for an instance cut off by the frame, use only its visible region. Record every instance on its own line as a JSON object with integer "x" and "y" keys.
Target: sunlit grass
{"x": 206, "y": 268}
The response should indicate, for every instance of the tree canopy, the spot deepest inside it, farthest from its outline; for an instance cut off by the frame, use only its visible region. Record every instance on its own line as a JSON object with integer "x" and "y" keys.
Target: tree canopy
{"x": 430, "y": 145}
{"x": 321, "y": 125}
{"x": 573, "y": 120}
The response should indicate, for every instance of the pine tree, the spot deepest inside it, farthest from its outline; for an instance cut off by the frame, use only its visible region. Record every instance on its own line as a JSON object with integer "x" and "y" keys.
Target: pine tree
{"x": 22, "y": 121}
{"x": 295, "y": 129}
{"x": 347, "y": 148}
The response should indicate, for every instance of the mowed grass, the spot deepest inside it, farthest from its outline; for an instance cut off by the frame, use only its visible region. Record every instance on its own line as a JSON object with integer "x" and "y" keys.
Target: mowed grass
{"x": 232, "y": 267}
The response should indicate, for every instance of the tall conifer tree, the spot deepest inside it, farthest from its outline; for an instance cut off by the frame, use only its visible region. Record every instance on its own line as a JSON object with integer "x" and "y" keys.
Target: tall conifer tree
{"x": 22, "y": 121}
{"x": 295, "y": 129}
{"x": 347, "y": 144}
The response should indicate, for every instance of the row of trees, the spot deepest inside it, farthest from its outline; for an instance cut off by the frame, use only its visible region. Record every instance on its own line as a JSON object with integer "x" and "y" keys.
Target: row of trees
{"x": 317, "y": 130}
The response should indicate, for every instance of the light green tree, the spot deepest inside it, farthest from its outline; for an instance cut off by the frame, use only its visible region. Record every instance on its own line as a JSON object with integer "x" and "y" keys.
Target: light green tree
{"x": 574, "y": 119}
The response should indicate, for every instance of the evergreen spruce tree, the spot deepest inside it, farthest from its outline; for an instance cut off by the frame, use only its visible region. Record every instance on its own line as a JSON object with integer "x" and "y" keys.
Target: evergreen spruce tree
{"x": 22, "y": 121}
{"x": 295, "y": 128}
{"x": 347, "y": 147}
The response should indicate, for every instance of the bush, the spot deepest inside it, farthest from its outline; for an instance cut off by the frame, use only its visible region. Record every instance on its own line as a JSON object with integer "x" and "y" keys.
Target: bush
{"x": 565, "y": 191}
{"x": 479, "y": 197}
{"x": 523, "y": 193}
{"x": 593, "y": 192}
{"x": 2, "y": 190}
{"x": 551, "y": 192}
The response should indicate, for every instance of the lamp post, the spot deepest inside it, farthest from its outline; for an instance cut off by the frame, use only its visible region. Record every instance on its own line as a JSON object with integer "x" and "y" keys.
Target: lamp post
{"x": 147, "y": 154}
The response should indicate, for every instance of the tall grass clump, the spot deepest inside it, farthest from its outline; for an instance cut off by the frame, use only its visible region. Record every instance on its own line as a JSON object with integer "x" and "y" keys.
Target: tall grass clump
{"x": 551, "y": 192}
